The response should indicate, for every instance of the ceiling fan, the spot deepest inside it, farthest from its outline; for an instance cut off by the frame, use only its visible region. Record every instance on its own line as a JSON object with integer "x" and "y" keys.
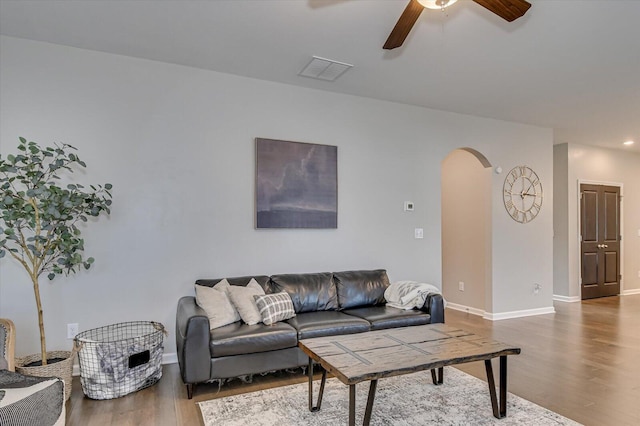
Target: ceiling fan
{"x": 509, "y": 10}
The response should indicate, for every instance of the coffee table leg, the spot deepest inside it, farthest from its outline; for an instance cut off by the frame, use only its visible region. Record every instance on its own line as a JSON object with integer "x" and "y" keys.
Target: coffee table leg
{"x": 439, "y": 379}
{"x": 500, "y": 411}
{"x": 322, "y": 382}
{"x": 370, "y": 398}
{"x": 352, "y": 405}
{"x": 503, "y": 386}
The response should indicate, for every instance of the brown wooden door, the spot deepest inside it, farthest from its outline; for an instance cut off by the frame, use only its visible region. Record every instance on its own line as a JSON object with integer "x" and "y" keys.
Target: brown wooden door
{"x": 600, "y": 240}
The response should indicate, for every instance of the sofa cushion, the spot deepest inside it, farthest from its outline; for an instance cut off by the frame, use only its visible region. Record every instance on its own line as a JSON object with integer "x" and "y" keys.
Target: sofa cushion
{"x": 263, "y": 280}
{"x": 382, "y": 317}
{"x": 239, "y": 338}
{"x": 361, "y": 288}
{"x": 327, "y": 323}
{"x": 242, "y": 299}
{"x": 309, "y": 292}
{"x": 275, "y": 307}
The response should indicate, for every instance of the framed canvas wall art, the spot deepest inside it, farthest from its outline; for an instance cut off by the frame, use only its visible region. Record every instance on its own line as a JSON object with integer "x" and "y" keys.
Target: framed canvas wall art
{"x": 296, "y": 185}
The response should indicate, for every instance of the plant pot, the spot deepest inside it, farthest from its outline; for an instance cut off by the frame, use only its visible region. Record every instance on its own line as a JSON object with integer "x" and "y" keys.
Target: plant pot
{"x": 62, "y": 369}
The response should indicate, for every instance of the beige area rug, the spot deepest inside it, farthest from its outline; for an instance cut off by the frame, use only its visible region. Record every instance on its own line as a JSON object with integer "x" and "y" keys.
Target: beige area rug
{"x": 409, "y": 400}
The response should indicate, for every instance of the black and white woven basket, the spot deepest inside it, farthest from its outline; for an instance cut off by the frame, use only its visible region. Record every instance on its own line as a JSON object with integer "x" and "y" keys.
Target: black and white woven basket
{"x": 119, "y": 359}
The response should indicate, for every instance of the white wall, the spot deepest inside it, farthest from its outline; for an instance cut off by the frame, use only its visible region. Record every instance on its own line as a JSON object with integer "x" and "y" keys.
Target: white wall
{"x": 560, "y": 221}
{"x": 466, "y": 231}
{"x": 177, "y": 143}
{"x": 522, "y": 254}
{"x": 599, "y": 165}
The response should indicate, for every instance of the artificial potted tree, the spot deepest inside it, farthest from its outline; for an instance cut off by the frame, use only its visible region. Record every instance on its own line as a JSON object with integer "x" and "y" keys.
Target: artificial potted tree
{"x": 39, "y": 228}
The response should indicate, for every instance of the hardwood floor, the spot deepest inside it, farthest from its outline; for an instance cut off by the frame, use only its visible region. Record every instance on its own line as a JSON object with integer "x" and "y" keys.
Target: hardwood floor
{"x": 582, "y": 362}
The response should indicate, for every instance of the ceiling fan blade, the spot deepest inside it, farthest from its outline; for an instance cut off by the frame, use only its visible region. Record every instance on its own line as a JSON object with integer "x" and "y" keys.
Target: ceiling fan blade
{"x": 509, "y": 10}
{"x": 404, "y": 25}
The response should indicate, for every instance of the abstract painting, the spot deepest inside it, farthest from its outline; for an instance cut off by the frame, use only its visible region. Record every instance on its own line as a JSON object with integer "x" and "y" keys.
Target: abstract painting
{"x": 296, "y": 185}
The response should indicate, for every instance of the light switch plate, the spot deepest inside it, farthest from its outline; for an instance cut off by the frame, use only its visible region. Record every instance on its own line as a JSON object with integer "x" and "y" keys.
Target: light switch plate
{"x": 419, "y": 233}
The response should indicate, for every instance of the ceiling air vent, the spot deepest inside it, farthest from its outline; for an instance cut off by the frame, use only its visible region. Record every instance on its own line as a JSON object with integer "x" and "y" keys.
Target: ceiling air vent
{"x": 324, "y": 69}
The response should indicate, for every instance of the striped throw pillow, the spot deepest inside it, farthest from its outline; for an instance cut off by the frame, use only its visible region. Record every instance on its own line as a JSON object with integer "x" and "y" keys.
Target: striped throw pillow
{"x": 275, "y": 307}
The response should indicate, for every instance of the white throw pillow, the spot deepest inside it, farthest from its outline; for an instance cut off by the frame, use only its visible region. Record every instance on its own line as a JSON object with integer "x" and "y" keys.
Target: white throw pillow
{"x": 275, "y": 307}
{"x": 223, "y": 285}
{"x": 242, "y": 298}
{"x": 215, "y": 302}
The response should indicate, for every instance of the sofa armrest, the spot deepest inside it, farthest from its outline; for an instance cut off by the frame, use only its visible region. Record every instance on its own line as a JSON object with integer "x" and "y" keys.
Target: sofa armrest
{"x": 434, "y": 306}
{"x": 192, "y": 341}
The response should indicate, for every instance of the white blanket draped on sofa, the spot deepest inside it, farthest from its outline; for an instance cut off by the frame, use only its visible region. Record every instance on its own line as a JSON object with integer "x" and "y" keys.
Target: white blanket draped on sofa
{"x": 409, "y": 294}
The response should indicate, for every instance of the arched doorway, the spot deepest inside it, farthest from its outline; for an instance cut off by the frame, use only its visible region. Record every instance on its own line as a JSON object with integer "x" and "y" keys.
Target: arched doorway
{"x": 466, "y": 231}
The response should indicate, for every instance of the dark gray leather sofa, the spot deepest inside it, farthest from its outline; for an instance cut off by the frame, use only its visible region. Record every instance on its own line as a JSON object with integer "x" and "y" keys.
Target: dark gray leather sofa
{"x": 328, "y": 303}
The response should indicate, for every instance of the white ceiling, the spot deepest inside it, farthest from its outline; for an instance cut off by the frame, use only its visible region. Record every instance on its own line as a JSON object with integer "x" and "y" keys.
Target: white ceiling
{"x": 572, "y": 65}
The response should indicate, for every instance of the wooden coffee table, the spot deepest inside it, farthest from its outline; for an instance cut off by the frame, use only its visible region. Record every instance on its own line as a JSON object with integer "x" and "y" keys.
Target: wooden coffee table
{"x": 374, "y": 355}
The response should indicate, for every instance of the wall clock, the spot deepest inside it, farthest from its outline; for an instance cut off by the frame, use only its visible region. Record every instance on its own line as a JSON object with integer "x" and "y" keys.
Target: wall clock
{"x": 522, "y": 194}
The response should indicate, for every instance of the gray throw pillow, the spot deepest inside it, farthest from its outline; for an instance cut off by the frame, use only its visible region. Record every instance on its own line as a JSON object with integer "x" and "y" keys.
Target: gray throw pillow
{"x": 242, "y": 299}
{"x": 216, "y": 303}
{"x": 275, "y": 307}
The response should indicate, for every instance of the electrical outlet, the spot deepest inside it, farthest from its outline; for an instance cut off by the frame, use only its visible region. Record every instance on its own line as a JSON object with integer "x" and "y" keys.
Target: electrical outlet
{"x": 418, "y": 233}
{"x": 536, "y": 288}
{"x": 461, "y": 286}
{"x": 72, "y": 330}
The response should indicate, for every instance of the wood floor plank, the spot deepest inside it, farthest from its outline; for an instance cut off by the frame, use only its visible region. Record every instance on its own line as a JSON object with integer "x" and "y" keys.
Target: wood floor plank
{"x": 582, "y": 362}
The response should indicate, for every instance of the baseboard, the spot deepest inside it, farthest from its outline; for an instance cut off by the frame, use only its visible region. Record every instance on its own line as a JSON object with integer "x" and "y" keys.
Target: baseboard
{"x": 170, "y": 358}
{"x": 567, "y": 299}
{"x": 519, "y": 314}
{"x": 501, "y": 315}
{"x": 466, "y": 309}
{"x": 571, "y": 299}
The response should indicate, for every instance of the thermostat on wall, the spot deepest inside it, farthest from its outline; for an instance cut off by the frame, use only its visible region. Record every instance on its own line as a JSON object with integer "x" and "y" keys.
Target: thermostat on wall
{"x": 408, "y": 206}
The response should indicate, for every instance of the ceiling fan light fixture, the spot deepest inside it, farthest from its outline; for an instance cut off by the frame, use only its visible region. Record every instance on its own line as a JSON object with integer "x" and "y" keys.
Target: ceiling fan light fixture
{"x": 436, "y": 4}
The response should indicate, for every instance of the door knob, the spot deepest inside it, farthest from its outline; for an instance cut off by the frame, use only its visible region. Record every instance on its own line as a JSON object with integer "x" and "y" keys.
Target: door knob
{"x": 605, "y": 246}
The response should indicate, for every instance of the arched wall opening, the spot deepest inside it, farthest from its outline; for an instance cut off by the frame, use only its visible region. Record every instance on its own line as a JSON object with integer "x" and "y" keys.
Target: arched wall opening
{"x": 466, "y": 231}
